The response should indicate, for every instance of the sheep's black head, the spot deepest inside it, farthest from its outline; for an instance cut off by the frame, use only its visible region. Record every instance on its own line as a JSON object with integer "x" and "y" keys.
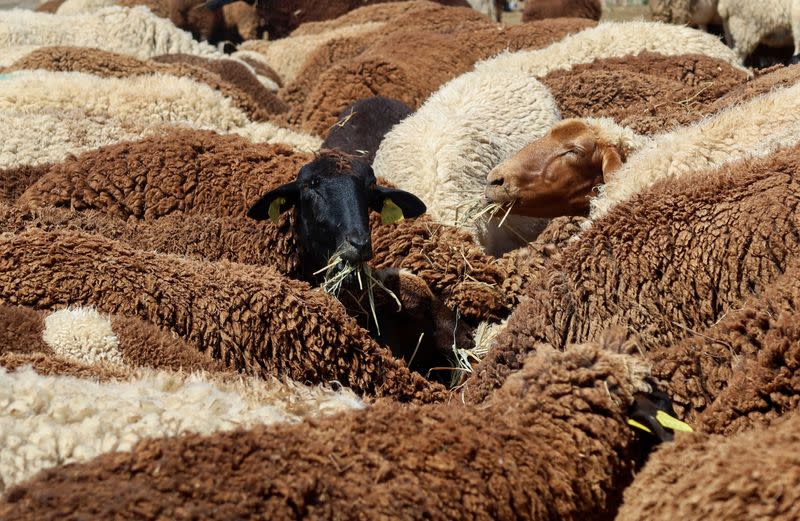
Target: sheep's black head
{"x": 332, "y": 197}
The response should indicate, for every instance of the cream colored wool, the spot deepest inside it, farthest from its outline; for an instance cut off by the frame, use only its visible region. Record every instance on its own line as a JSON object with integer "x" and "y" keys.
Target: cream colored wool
{"x": 54, "y": 420}
{"x": 58, "y": 113}
{"x": 287, "y": 55}
{"x": 9, "y": 55}
{"x": 611, "y": 40}
{"x": 71, "y": 7}
{"x": 82, "y": 335}
{"x": 752, "y": 129}
{"x": 134, "y": 31}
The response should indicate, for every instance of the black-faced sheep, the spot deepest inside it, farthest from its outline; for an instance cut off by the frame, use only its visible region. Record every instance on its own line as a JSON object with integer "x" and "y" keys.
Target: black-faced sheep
{"x": 713, "y": 239}
{"x": 752, "y": 475}
{"x": 552, "y": 444}
{"x": 543, "y": 9}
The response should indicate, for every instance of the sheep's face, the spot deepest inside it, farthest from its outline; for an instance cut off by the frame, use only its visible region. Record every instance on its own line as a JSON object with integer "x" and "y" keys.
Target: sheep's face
{"x": 332, "y": 197}
{"x": 556, "y": 174}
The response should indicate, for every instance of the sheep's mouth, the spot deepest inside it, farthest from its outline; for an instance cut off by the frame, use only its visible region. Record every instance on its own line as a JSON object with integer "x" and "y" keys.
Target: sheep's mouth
{"x": 501, "y": 194}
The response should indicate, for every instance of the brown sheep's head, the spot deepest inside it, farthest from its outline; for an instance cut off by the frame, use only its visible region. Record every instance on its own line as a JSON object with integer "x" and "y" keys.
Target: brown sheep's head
{"x": 557, "y": 174}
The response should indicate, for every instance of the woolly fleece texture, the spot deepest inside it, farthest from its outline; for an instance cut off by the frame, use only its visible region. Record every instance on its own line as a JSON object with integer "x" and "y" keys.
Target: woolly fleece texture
{"x": 713, "y": 239}
{"x": 542, "y": 9}
{"x": 753, "y": 475}
{"x": 250, "y": 318}
{"x": 46, "y": 421}
{"x": 752, "y": 129}
{"x": 513, "y": 459}
{"x": 748, "y": 23}
{"x": 82, "y": 335}
{"x": 136, "y": 32}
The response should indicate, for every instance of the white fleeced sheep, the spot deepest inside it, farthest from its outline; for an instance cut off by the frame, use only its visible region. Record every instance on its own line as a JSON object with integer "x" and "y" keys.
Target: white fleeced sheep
{"x": 444, "y": 151}
{"x": 47, "y": 421}
{"x": 82, "y": 335}
{"x": 112, "y": 110}
{"x": 748, "y": 23}
{"x": 133, "y": 31}
{"x": 610, "y": 40}
{"x": 753, "y": 129}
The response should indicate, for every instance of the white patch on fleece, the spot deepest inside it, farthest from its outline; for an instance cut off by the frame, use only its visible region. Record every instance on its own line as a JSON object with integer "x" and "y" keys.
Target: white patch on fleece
{"x": 82, "y": 335}
{"x": 47, "y": 421}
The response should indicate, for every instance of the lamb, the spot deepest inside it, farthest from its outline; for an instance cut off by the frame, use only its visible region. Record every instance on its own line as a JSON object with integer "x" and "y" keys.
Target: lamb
{"x": 681, "y": 273}
{"x": 272, "y": 326}
{"x": 749, "y": 23}
{"x": 543, "y": 9}
{"x": 231, "y": 78}
{"x": 283, "y": 17}
{"x": 362, "y": 126}
{"x": 515, "y": 458}
{"x": 456, "y": 141}
{"x": 409, "y": 65}
{"x": 136, "y": 32}
{"x": 649, "y": 93}
{"x": 117, "y": 109}
{"x": 600, "y": 152}
{"x": 752, "y": 475}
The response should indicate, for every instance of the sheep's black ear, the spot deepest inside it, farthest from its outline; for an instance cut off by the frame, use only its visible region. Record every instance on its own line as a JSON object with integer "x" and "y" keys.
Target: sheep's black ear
{"x": 653, "y": 414}
{"x": 396, "y": 205}
{"x": 274, "y": 203}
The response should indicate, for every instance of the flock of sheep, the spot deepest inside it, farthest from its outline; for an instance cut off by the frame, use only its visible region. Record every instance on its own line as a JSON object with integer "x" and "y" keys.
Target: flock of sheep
{"x": 361, "y": 260}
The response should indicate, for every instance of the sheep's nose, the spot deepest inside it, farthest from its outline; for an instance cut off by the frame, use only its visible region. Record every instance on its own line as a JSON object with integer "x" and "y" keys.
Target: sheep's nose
{"x": 360, "y": 249}
{"x": 498, "y": 181}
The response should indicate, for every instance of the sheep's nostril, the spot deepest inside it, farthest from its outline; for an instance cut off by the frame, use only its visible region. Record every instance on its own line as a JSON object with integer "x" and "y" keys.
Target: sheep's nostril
{"x": 497, "y": 182}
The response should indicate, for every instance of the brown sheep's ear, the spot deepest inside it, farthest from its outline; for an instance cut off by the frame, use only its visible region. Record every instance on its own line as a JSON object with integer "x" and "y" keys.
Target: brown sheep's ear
{"x": 612, "y": 161}
{"x": 274, "y": 203}
{"x": 396, "y": 205}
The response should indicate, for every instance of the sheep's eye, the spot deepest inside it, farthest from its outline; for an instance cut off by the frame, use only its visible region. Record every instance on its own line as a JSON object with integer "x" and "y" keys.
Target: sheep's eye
{"x": 572, "y": 152}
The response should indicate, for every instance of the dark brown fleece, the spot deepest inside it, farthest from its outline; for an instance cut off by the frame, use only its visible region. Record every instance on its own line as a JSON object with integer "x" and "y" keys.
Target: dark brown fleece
{"x": 752, "y": 475}
{"x": 552, "y": 445}
{"x": 187, "y": 171}
{"x": 14, "y": 181}
{"x": 419, "y": 16}
{"x": 545, "y": 9}
{"x": 140, "y": 343}
{"x": 649, "y": 93}
{"x": 243, "y": 22}
{"x": 409, "y": 65}
{"x": 259, "y": 105}
{"x": 49, "y": 365}
{"x": 262, "y": 69}
{"x": 711, "y": 240}
{"x": 234, "y": 73}
{"x": 251, "y": 318}
{"x": 189, "y": 15}
{"x": 284, "y": 16}
{"x": 235, "y": 239}
{"x": 761, "y": 84}
{"x": 745, "y": 369}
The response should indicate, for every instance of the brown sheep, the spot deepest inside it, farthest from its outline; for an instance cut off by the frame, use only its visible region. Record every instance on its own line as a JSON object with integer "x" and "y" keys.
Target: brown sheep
{"x": 230, "y": 78}
{"x": 141, "y": 345}
{"x": 250, "y": 318}
{"x": 410, "y": 65}
{"x": 188, "y": 171}
{"x": 282, "y": 16}
{"x": 544, "y": 9}
{"x": 649, "y": 93}
{"x": 752, "y": 475}
{"x": 743, "y": 370}
{"x": 712, "y": 240}
{"x": 552, "y": 444}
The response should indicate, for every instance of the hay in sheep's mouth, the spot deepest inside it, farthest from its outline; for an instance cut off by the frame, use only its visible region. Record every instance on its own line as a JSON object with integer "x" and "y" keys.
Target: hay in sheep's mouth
{"x": 338, "y": 272}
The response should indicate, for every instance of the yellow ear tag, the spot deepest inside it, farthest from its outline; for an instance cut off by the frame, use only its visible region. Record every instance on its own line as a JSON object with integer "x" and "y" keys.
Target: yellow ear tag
{"x": 672, "y": 423}
{"x": 638, "y": 425}
{"x": 275, "y": 208}
{"x": 390, "y": 212}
